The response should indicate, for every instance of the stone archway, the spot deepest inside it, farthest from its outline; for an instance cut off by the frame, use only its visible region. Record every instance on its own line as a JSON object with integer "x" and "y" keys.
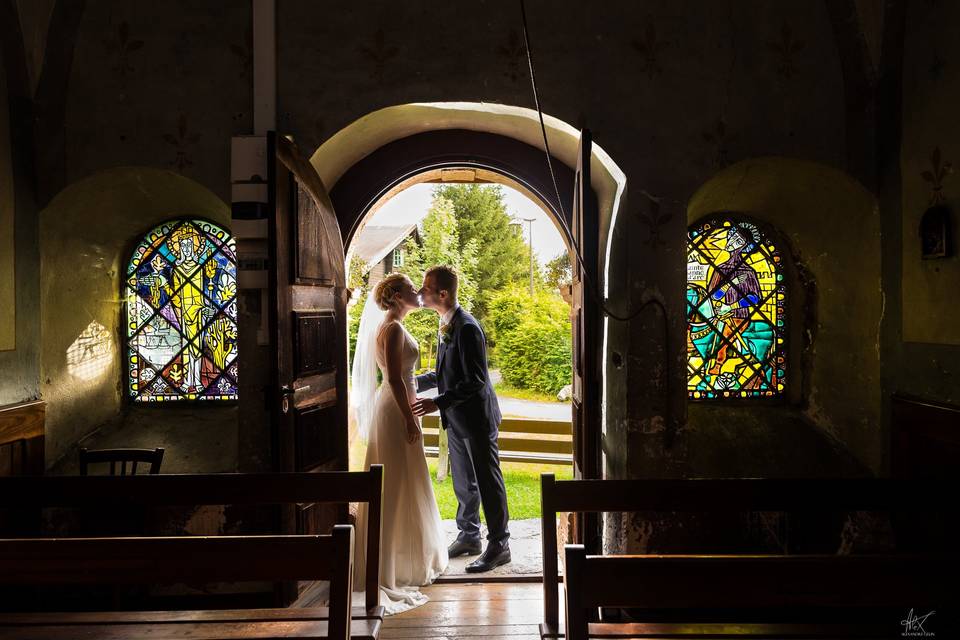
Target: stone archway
{"x": 385, "y": 151}
{"x": 375, "y": 154}
{"x": 366, "y": 159}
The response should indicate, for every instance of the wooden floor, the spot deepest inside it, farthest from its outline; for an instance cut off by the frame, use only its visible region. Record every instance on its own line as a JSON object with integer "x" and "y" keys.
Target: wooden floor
{"x": 491, "y": 611}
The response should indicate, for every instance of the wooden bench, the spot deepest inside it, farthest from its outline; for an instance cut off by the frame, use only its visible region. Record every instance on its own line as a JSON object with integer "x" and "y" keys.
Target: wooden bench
{"x": 526, "y": 440}
{"x": 93, "y": 561}
{"x": 708, "y": 495}
{"x": 797, "y": 584}
{"x": 123, "y": 492}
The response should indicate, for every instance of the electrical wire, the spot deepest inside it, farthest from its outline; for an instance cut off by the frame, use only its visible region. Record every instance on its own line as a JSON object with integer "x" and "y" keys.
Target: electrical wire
{"x": 585, "y": 273}
{"x": 591, "y": 285}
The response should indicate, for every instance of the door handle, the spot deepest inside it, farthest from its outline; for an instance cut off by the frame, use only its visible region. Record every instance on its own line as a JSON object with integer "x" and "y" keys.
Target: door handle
{"x": 286, "y": 391}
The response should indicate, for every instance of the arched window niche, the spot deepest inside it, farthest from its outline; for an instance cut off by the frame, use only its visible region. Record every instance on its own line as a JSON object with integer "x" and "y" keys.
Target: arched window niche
{"x": 736, "y": 311}
{"x": 180, "y": 290}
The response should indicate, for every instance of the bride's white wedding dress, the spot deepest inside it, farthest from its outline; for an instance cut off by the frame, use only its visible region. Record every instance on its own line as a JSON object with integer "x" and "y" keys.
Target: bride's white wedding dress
{"x": 413, "y": 550}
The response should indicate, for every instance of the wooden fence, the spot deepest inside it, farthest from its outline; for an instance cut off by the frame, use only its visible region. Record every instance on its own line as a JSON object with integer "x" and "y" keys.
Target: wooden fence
{"x": 521, "y": 440}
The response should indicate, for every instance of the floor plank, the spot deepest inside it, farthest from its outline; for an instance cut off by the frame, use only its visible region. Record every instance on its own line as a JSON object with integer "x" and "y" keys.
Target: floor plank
{"x": 493, "y": 611}
{"x": 484, "y": 591}
{"x": 495, "y": 631}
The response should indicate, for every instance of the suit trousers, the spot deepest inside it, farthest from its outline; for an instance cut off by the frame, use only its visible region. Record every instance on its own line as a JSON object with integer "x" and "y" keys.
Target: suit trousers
{"x": 477, "y": 479}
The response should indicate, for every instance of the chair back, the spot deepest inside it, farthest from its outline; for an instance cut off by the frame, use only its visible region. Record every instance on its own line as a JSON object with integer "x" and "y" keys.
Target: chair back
{"x": 133, "y": 457}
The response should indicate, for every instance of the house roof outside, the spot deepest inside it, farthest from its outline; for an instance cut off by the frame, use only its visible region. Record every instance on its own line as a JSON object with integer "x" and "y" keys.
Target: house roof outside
{"x": 373, "y": 243}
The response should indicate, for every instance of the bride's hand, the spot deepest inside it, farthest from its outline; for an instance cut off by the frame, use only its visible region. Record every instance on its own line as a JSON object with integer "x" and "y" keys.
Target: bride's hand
{"x": 413, "y": 431}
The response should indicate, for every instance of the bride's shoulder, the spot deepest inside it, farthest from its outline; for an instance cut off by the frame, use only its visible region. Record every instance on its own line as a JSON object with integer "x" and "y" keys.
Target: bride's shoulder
{"x": 388, "y": 328}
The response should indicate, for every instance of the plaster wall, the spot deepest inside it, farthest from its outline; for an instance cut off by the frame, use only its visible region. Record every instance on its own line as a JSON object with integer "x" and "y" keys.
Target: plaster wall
{"x": 926, "y": 358}
{"x": 8, "y": 290}
{"x": 832, "y": 228}
{"x": 88, "y": 233}
{"x": 672, "y": 95}
{"x": 19, "y": 269}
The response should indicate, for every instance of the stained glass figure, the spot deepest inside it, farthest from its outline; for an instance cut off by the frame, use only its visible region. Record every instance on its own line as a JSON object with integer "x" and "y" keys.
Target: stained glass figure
{"x": 736, "y": 298}
{"x": 182, "y": 314}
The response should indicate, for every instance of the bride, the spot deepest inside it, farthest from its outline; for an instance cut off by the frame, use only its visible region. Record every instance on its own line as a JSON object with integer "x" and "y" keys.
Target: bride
{"x": 413, "y": 550}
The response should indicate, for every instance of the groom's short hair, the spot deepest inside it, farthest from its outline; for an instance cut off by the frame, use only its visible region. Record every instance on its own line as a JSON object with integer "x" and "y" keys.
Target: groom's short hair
{"x": 445, "y": 278}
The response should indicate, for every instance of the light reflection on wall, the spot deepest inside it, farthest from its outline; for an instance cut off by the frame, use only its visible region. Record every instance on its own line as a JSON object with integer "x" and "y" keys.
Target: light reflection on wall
{"x": 89, "y": 356}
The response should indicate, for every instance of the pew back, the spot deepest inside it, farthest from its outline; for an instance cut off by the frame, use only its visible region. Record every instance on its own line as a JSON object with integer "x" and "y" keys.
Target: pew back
{"x": 795, "y": 583}
{"x": 333, "y": 487}
{"x": 54, "y": 561}
{"x": 718, "y": 495}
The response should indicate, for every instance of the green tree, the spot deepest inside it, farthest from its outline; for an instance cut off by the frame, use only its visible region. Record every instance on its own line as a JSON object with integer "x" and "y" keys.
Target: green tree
{"x": 357, "y": 276}
{"x": 558, "y": 273}
{"x": 439, "y": 245}
{"x": 533, "y": 349}
{"x": 483, "y": 226}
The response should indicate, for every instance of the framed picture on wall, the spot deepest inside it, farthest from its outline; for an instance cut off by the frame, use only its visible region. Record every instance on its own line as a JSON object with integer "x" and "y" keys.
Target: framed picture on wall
{"x": 935, "y": 232}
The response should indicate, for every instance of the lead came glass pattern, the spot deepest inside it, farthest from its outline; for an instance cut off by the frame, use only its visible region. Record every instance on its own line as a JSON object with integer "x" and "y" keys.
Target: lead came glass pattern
{"x": 735, "y": 312}
{"x": 181, "y": 292}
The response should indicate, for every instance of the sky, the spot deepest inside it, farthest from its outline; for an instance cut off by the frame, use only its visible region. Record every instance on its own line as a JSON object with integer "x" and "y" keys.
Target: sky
{"x": 412, "y": 204}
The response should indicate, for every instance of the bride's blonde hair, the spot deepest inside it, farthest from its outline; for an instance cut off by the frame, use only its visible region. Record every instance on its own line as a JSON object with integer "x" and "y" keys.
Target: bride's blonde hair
{"x": 387, "y": 288}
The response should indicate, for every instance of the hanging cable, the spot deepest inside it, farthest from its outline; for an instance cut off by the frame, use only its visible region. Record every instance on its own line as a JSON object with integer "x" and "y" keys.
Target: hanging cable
{"x": 588, "y": 281}
{"x": 591, "y": 285}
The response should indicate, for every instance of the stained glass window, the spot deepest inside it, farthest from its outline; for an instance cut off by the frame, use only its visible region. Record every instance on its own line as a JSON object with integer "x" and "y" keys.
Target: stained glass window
{"x": 736, "y": 297}
{"x": 182, "y": 314}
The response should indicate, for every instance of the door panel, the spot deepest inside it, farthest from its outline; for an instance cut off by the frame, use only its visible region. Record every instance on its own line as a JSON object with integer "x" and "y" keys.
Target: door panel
{"x": 307, "y": 319}
{"x": 314, "y": 341}
{"x": 585, "y": 394}
{"x": 586, "y": 356}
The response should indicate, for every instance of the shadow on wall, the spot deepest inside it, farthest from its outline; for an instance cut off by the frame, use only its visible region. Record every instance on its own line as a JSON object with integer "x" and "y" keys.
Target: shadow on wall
{"x": 831, "y": 225}
{"x": 87, "y": 233}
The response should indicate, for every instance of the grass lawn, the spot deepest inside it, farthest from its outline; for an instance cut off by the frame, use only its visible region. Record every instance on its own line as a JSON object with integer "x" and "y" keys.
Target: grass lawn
{"x": 523, "y": 488}
{"x": 522, "y": 480}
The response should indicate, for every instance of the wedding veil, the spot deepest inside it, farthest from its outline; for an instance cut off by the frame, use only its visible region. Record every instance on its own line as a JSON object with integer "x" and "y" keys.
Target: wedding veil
{"x": 364, "y": 371}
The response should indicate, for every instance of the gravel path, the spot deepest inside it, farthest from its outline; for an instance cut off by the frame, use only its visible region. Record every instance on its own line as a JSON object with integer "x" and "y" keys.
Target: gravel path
{"x": 525, "y": 550}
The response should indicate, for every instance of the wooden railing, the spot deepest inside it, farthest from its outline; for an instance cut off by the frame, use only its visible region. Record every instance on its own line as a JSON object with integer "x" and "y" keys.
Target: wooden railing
{"x": 521, "y": 440}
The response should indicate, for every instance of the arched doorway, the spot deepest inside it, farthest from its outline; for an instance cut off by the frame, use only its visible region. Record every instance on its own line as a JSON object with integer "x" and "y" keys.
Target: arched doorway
{"x": 376, "y": 154}
{"x": 467, "y": 217}
{"x": 583, "y": 190}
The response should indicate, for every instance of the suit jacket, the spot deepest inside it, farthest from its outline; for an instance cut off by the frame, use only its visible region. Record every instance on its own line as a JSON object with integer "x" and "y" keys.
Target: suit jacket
{"x": 466, "y": 399}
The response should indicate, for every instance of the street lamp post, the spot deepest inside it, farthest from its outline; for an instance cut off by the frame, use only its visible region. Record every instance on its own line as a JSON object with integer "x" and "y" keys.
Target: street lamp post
{"x": 529, "y": 222}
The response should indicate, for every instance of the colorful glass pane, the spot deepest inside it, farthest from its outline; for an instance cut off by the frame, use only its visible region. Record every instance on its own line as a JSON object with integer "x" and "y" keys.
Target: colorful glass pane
{"x": 736, "y": 302}
{"x": 182, "y": 314}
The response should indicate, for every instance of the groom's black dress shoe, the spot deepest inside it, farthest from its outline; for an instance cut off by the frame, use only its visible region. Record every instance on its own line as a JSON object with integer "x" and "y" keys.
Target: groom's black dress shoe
{"x": 497, "y": 553}
{"x": 464, "y": 548}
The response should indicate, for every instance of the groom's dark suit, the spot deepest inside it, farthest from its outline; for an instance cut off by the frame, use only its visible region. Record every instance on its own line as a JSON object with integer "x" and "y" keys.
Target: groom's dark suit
{"x": 470, "y": 414}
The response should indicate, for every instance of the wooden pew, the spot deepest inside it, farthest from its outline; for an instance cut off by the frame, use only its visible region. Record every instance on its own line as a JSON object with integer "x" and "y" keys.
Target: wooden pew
{"x": 90, "y": 561}
{"x": 712, "y": 495}
{"x": 798, "y": 584}
{"x": 100, "y": 492}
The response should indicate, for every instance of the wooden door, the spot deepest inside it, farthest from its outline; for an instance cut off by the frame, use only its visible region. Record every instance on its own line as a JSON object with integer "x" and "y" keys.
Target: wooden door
{"x": 308, "y": 324}
{"x": 586, "y": 337}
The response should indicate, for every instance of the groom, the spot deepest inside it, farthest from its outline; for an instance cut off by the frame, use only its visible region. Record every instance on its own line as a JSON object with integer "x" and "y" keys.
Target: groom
{"x": 471, "y": 416}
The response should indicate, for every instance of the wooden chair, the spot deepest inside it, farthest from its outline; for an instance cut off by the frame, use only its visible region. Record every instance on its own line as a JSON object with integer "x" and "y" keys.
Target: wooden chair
{"x": 133, "y": 457}
{"x": 797, "y": 584}
{"x": 91, "y": 561}
{"x": 717, "y": 495}
{"x": 106, "y": 492}
{"x": 22, "y": 438}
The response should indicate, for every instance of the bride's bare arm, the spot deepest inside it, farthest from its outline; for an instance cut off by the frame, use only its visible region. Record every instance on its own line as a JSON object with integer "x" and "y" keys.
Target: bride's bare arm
{"x": 393, "y": 341}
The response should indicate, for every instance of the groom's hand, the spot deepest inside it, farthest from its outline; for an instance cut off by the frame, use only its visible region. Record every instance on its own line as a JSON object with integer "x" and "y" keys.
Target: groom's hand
{"x": 423, "y": 406}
